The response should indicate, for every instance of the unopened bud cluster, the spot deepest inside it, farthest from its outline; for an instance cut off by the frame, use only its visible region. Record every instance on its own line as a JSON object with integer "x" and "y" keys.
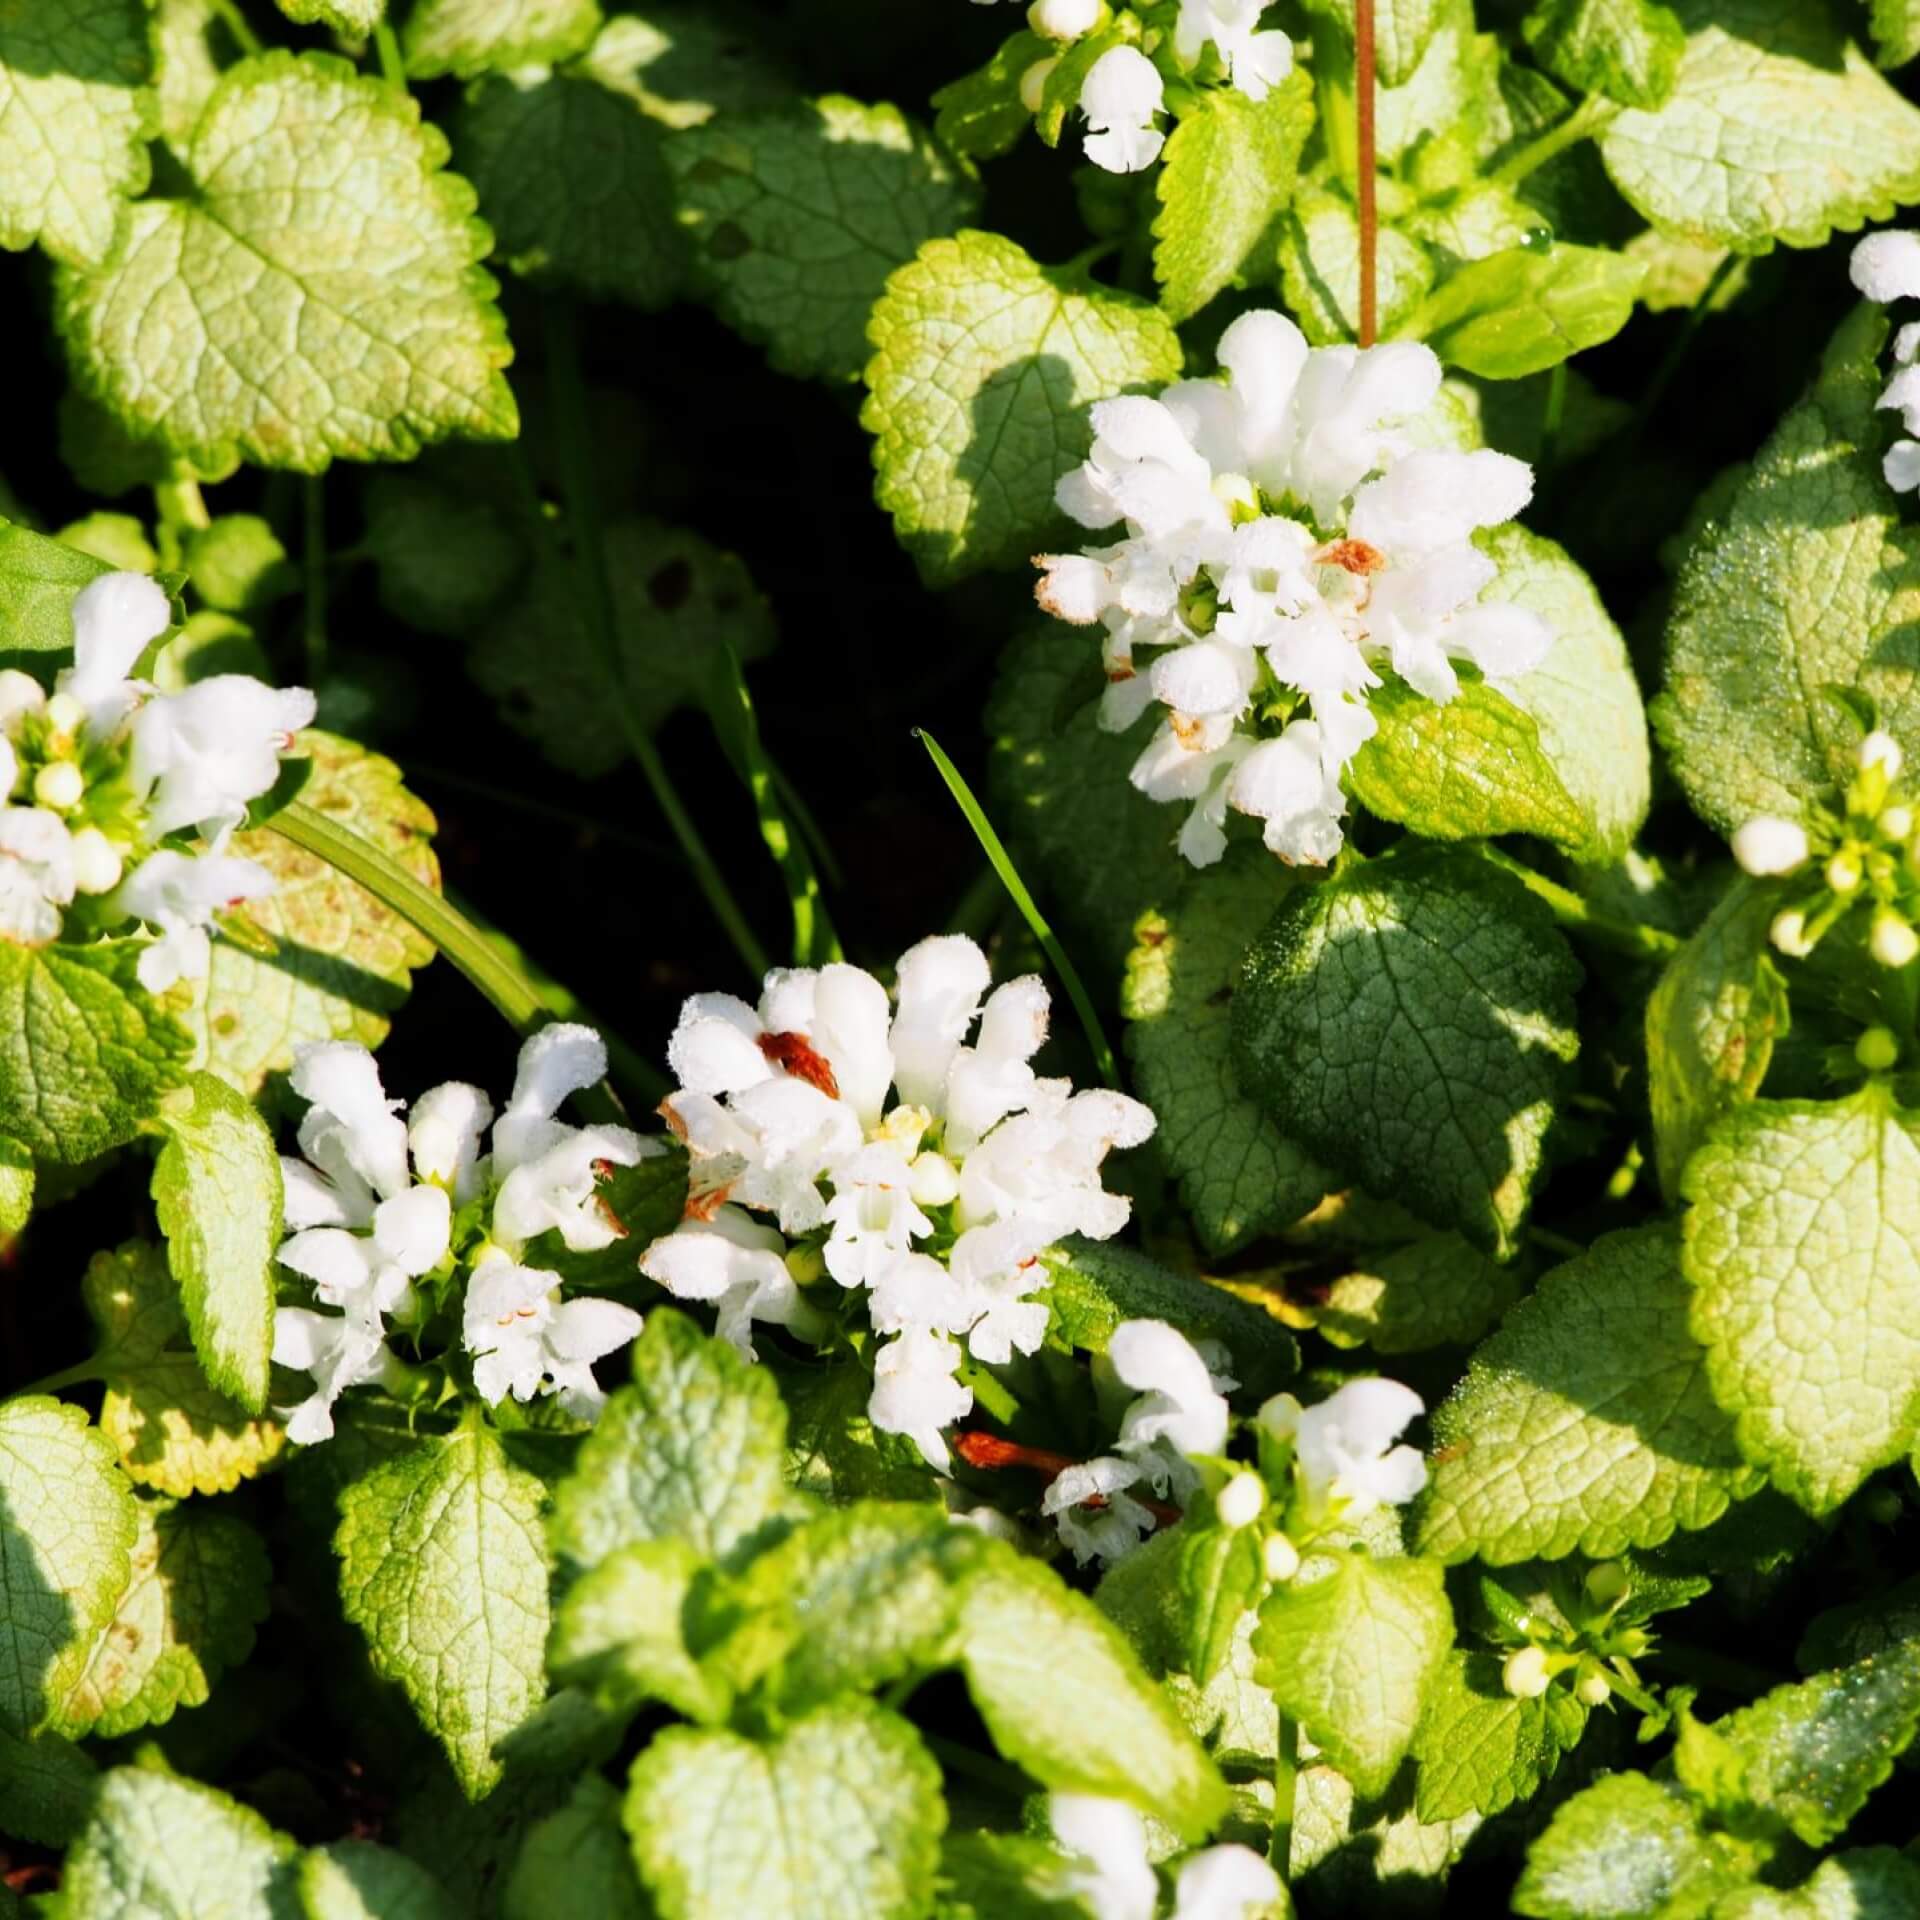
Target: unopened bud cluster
{"x": 1581, "y": 1642}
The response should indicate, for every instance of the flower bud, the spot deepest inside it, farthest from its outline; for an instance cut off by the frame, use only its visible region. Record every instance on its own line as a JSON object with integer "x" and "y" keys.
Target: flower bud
{"x": 1843, "y": 871}
{"x": 97, "y": 865}
{"x": 1607, "y": 1583}
{"x": 1241, "y": 1500}
{"x": 935, "y": 1181}
{"x": 1789, "y": 933}
{"x": 1876, "y": 1049}
{"x": 1893, "y": 943}
{"x": 1881, "y": 749}
{"x": 1592, "y": 1689}
{"x": 65, "y": 714}
{"x": 1033, "y": 83}
{"x": 1768, "y": 846}
{"x": 1896, "y": 822}
{"x": 1280, "y": 1557}
{"x": 1526, "y": 1675}
{"x": 1063, "y": 19}
{"x": 807, "y": 1265}
{"x": 58, "y": 785}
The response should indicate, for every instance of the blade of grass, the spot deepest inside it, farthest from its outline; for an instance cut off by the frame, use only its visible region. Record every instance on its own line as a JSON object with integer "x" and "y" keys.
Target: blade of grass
{"x": 1017, "y": 888}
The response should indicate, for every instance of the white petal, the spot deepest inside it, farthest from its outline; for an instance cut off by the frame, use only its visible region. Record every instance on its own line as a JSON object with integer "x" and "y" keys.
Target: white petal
{"x": 1886, "y": 266}
{"x": 411, "y": 1229}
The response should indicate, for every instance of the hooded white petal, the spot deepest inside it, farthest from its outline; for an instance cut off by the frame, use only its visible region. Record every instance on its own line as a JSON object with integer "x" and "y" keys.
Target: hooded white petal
{"x": 1106, "y": 1843}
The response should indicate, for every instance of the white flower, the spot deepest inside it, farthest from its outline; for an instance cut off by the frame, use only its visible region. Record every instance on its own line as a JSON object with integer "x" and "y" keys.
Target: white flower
{"x": 1767, "y": 846}
{"x": 372, "y": 1274}
{"x": 352, "y": 1137}
{"x": 1344, "y": 1446}
{"x": 1886, "y": 266}
{"x": 915, "y": 1392}
{"x": 1063, "y": 19}
{"x": 559, "y": 1189}
{"x": 526, "y": 1341}
{"x": 940, "y": 985}
{"x": 449, "y": 1122}
{"x": 180, "y": 896}
{"x": 114, "y": 619}
{"x": 1043, "y": 1166}
{"x": 991, "y": 1079}
{"x": 36, "y": 874}
{"x": 200, "y": 756}
{"x": 1179, "y": 1411}
{"x": 734, "y": 1263}
{"x": 998, "y": 1269}
{"x": 918, "y": 1294}
{"x": 1226, "y": 1883}
{"x": 1109, "y": 1531}
{"x": 338, "y": 1352}
{"x": 873, "y": 1215}
{"x": 1120, "y": 96}
{"x": 1430, "y": 500}
{"x": 1106, "y": 1841}
{"x": 554, "y": 1064}
{"x": 1288, "y": 783}
{"x": 1256, "y": 62}
{"x": 1169, "y": 769}
{"x": 1880, "y": 749}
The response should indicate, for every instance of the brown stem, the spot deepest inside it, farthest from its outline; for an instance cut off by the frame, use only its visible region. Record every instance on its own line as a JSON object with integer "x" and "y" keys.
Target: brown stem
{"x": 1369, "y": 212}
{"x": 989, "y": 1450}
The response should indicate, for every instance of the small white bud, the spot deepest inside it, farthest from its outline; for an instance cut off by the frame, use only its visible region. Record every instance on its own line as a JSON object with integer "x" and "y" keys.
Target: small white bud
{"x": 65, "y": 714}
{"x": 1896, "y": 822}
{"x": 1593, "y": 1690}
{"x": 1892, "y": 942}
{"x": 1281, "y": 1557}
{"x": 97, "y": 865}
{"x": 1789, "y": 933}
{"x": 1525, "y": 1675}
{"x": 1843, "y": 872}
{"x": 1881, "y": 749}
{"x": 1876, "y": 1049}
{"x": 1240, "y": 1500}
{"x": 58, "y": 785}
{"x": 935, "y": 1181}
{"x": 1063, "y": 19}
{"x": 1767, "y": 846}
{"x": 1033, "y": 83}
{"x": 1607, "y": 1583}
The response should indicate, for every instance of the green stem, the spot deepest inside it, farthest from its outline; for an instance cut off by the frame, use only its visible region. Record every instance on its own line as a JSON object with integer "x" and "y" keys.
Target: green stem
{"x": 991, "y": 1393}
{"x": 179, "y": 502}
{"x": 1582, "y": 123}
{"x": 1558, "y": 1243}
{"x": 314, "y": 554}
{"x": 393, "y": 70}
{"x": 574, "y": 433}
{"x": 506, "y": 986}
{"x": 235, "y": 22}
{"x": 1286, "y": 1781}
{"x": 1573, "y": 913}
{"x": 1553, "y": 415}
{"x": 73, "y": 1376}
{"x": 981, "y": 1767}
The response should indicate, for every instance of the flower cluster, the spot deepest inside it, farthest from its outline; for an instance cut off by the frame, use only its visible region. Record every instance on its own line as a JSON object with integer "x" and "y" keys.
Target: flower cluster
{"x": 1886, "y": 268}
{"x": 106, "y": 784}
{"x": 404, "y": 1226}
{"x": 1111, "y": 1875}
{"x": 927, "y": 1170}
{"x": 1123, "y": 94}
{"x": 1285, "y": 540}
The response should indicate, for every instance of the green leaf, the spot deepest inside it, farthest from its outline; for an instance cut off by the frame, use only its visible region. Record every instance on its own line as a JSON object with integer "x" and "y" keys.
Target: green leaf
{"x": 75, "y": 114}
{"x": 1815, "y": 1751}
{"x": 115, "y": 539}
{"x": 1742, "y": 154}
{"x": 1403, "y": 30}
{"x": 443, "y": 1567}
{"x": 1096, "y": 1285}
{"x": 1472, "y": 769}
{"x": 161, "y": 1848}
{"x": 1895, "y": 25}
{"x": 199, "y": 1588}
{"x": 1229, "y": 174}
{"x": 18, "y": 1179}
{"x": 354, "y": 17}
{"x": 1412, "y": 1022}
{"x": 1626, "y": 1848}
{"x": 839, "y": 1818}
{"x": 834, "y": 1450}
{"x": 1868, "y": 1883}
{"x": 1239, "y": 1175}
{"x": 1481, "y": 1748}
{"x": 1064, "y": 1696}
{"x": 175, "y": 1433}
{"x": 1844, "y": 1634}
{"x": 67, "y": 1527}
{"x": 1100, "y": 852}
{"x": 356, "y": 1880}
{"x": 687, "y": 60}
{"x": 1221, "y": 1576}
{"x": 582, "y": 1848}
{"x": 1712, "y": 1021}
{"x": 798, "y": 215}
{"x": 339, "y": 962}
{"x": 468, "y": 37}
{"x": 1002, "y": 1876}
{"x": 621, "y": 1633}
{"x": 691, "y": 1451}
{"x": 1564, "y": 1438}
{"x": 982, "y": 114}
{"x": 183, "y": 332}
{"x": 46, "y": 1789}
{"x": 216, "y": 1189}
{"x": 39, "y": 581}
{"x": 1583, "y": 696}
{"x": 1353, "y": 1656}
{"x": 1803, "y": 1248}
{"x": 238, "y": 564}
{"x": 1827, "y": 571}
{"x": 1320, "y": 268}
{"x": 1525, "y": 309}
{"x": 445, "y": 557}
{"x": 985, "y": 364}
{"x": 1436, "y": 1292}
{"x": 678, "y": 603}
{"x": 1368, "y": 1856}
{"x": 191, "y": 42}
{"x": 1629, "y": 50}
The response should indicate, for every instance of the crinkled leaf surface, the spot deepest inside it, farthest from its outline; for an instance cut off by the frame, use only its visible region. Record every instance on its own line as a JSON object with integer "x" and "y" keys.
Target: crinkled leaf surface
{"x": 216, "y": 1190}
{"x": 175, "y": 1432}
{"x": 46, "y": 1788}
{"x": 39, "y": 581}
{"x": 1803, "y": 1248}
{"x": 67, "y": 1527}
{"x": 1353, "y": 1656}
{"x": 1524, "y": 309}
{"x": 1403, "y": 31}
{"x": 1807, "y": 580}
{"x": 1896, "y": 31}
{"x": 839, "y": 1818}
{"x": 1239, "y": 1175}
{"x": 1866, "y": 1883}
{"x": 358, "y": 17}
{"x": 582, "y": 1847}
{"x": 1435, "y": 1292}
{"x": 1629, "y": 50}
{"x": 1320, "y": 267}
{"x": 1481, "y": 1748}
{"x": 75, "y": 112}
{"x": 341, "y": 962}
{"x": 356, "y": 1880}
{"x": 316, "y": 294}
{"x": 1564, "y": 1438}
{"x": 1844, "y": 1634}
{"x": 1412, "y": 1023}
{"x": 1229, "y": 174}
{"x": 985, "y": 365}
{"x": 1777, "y": 129}
{"x": 443, "y": 1566}
{"x": 467, "y": 37}
{"x": 797, "y": 217}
